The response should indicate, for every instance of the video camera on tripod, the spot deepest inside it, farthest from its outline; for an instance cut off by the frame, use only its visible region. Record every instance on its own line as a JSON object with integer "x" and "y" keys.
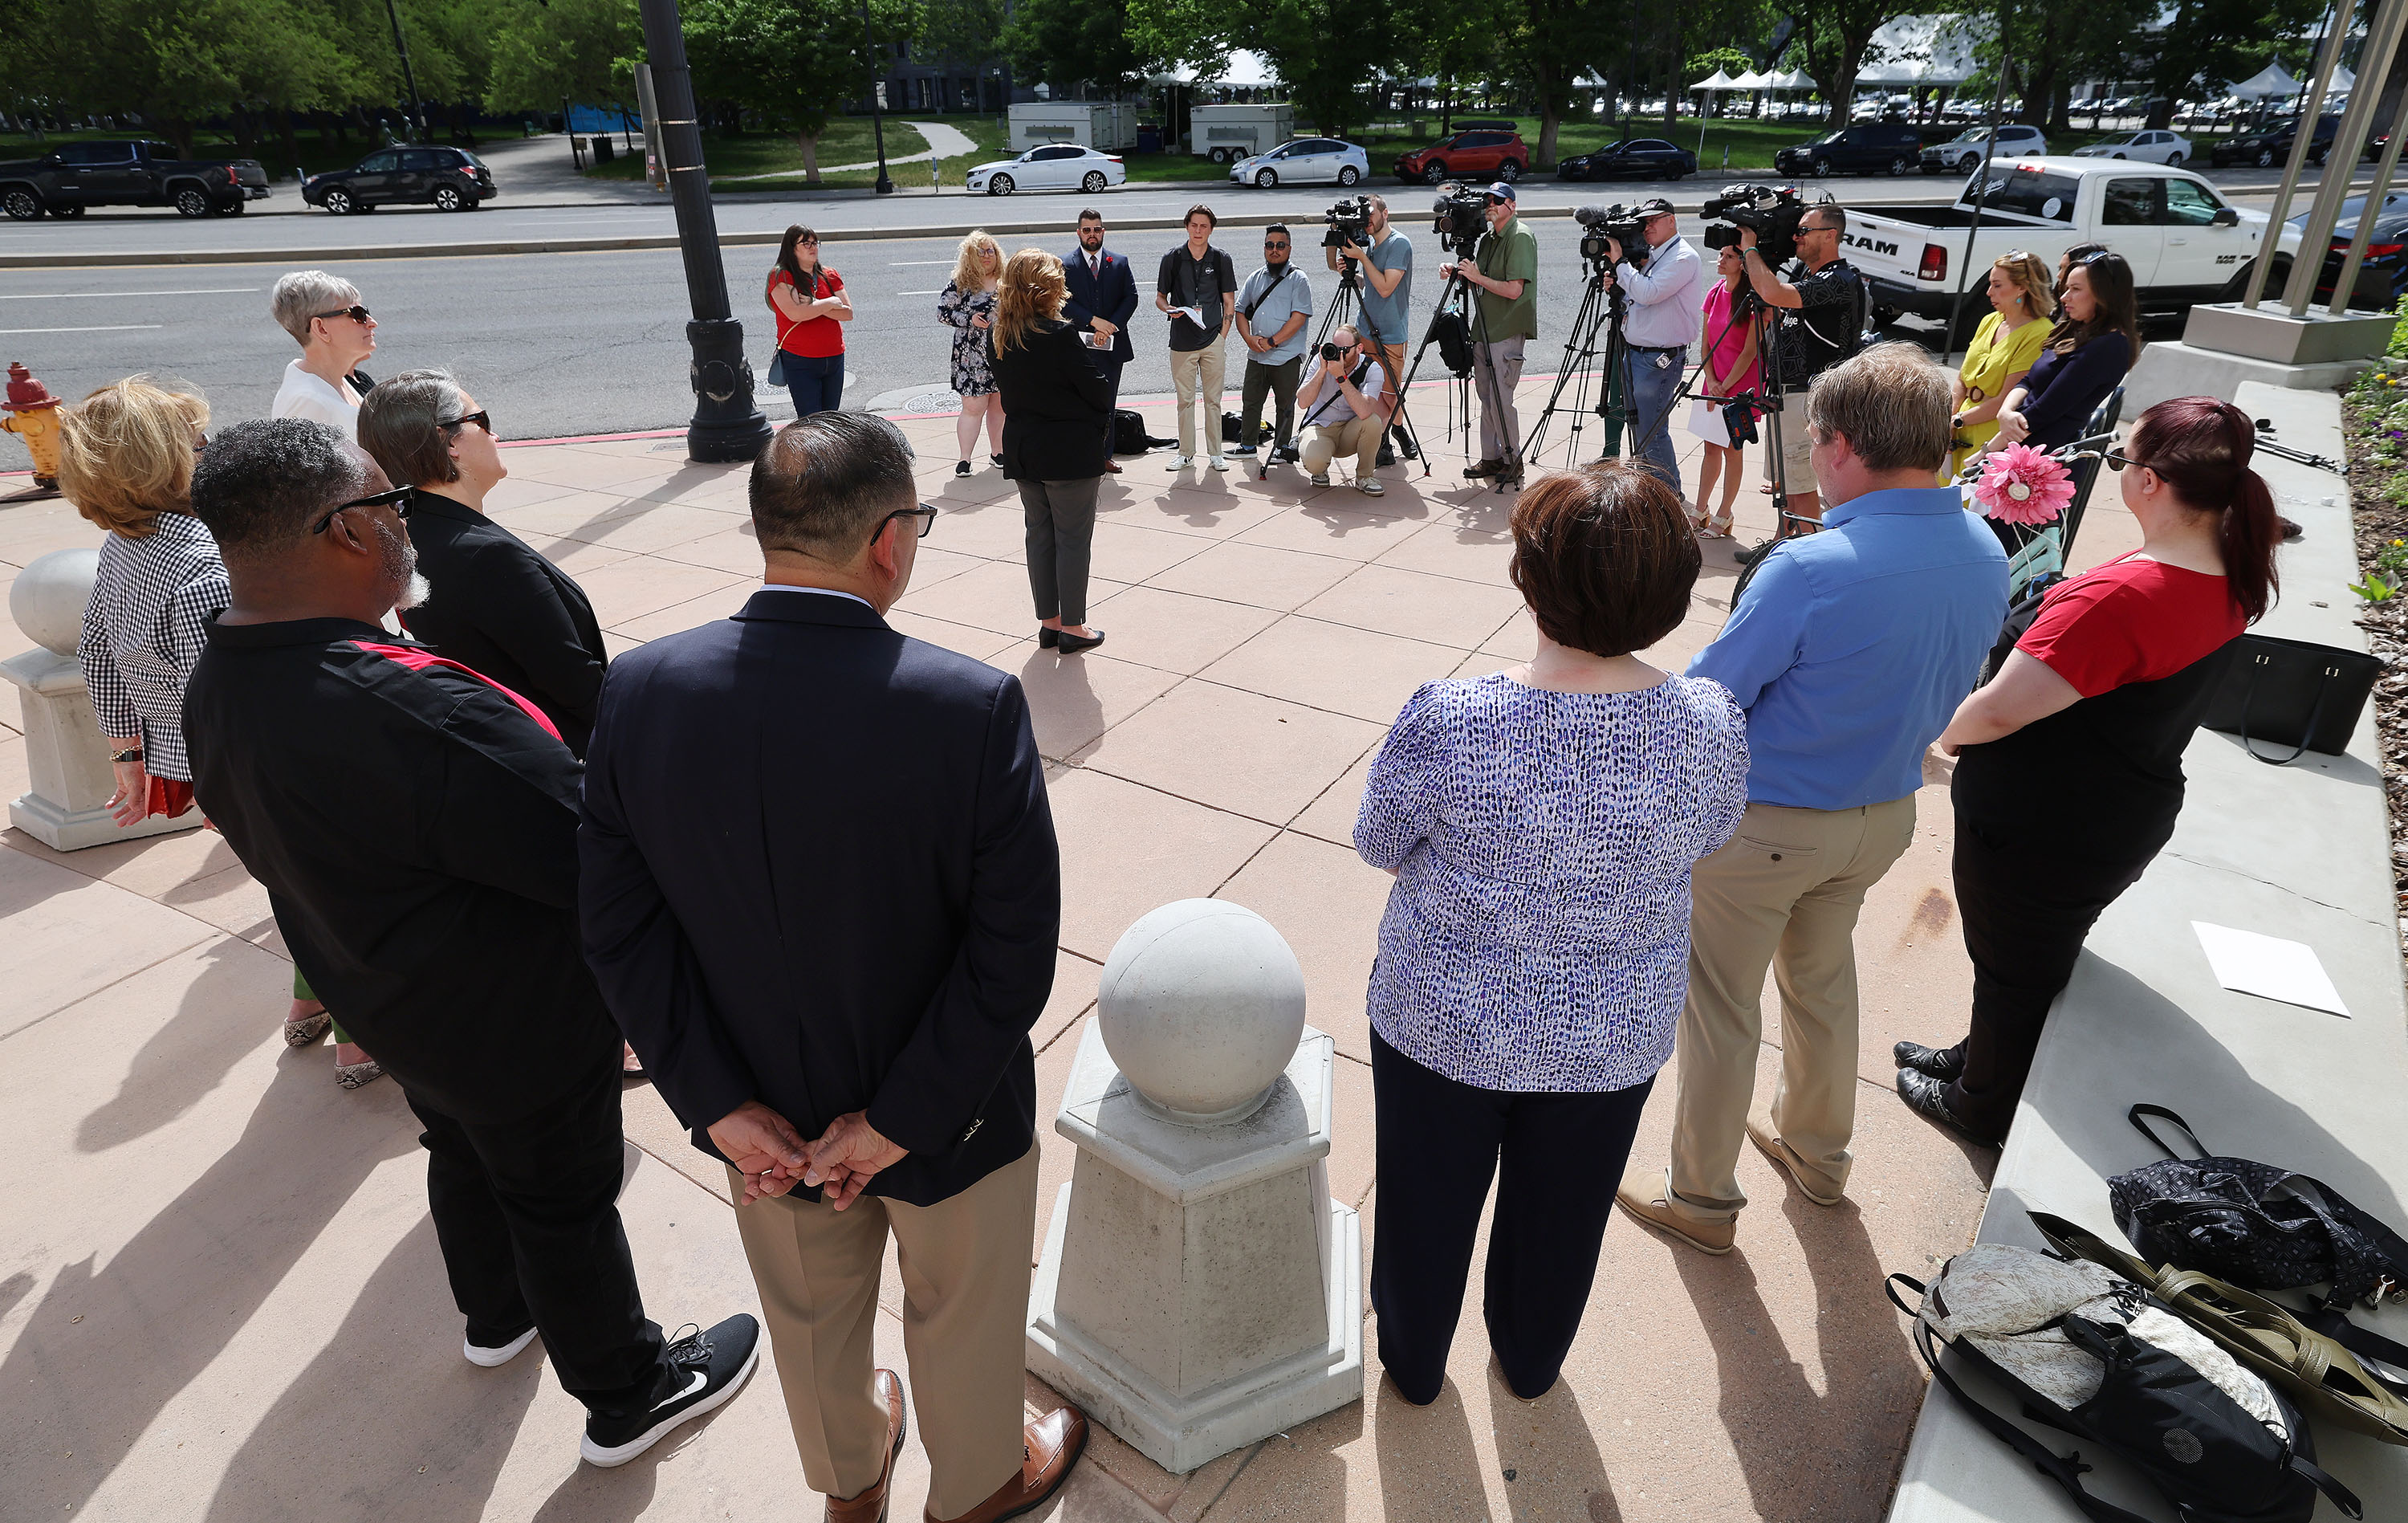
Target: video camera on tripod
{"x": 1349, "y": 222}
{"x": 1460, "y": 217}
{"x": 1617, "y": 223}
{"x": 1771, "y": 211}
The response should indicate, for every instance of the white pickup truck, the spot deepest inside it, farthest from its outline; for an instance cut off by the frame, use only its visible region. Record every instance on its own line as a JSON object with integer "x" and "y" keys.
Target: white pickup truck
{"x": 2185, "y": 242}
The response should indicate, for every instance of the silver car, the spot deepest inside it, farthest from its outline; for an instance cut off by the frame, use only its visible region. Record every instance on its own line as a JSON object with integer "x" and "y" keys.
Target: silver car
{"x": 1304, "y": 161}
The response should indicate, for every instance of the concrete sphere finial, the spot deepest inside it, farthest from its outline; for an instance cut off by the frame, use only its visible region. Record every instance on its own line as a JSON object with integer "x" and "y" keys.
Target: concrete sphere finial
{"x": 1201, "y": 1006}
{"x": 48, "y": 601}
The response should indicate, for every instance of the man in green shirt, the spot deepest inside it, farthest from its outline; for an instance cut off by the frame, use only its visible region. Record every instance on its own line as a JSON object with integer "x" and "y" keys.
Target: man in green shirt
{"x": 1504, "y": 272}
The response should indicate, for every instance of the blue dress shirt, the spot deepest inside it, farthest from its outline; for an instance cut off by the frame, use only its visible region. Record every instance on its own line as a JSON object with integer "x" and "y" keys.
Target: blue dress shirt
{"x": 1853, "y": 646}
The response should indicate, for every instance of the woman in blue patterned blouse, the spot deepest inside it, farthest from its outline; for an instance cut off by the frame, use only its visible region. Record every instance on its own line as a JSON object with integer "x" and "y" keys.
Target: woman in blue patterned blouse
{"x": 1541, "y": 823}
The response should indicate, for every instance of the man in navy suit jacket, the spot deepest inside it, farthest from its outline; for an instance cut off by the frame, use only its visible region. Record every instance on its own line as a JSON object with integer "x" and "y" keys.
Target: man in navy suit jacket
{"x": 821, "y": 893}
{"x": 1102, "y": 300}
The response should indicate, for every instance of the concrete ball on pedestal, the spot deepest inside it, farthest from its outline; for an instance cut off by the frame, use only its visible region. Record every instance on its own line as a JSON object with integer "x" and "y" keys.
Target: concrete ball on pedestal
{"x": 48, "y": 599}
{"x": 1201, "y": 1007}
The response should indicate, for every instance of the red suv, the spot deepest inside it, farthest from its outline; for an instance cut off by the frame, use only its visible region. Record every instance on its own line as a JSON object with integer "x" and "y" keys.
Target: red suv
{"x": 1476, "y": 154}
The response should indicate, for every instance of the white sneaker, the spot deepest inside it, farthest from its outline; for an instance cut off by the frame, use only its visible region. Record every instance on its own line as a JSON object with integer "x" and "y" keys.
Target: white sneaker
{"x": 1219, "y": 463}
{"x": 1184, "y": 462}
{"x": 1368, "y": 485}
{"x": 1321, "y": 477}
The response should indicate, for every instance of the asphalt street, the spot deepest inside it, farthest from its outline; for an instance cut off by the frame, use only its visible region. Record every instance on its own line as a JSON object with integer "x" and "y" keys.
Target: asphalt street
{"x": 559, "y": 344}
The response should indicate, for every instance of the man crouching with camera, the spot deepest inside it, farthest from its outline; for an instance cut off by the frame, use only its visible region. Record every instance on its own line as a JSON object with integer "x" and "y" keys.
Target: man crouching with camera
{"x": 1504, "y": 272}
{"x": 1827, "y": 301}
{"x": 1662, "y": 324}
{"x": 1342, "y": 410}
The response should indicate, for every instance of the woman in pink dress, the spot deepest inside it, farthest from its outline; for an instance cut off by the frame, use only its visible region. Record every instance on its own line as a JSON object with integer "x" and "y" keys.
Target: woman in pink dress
{"x": 1731, "y": 370}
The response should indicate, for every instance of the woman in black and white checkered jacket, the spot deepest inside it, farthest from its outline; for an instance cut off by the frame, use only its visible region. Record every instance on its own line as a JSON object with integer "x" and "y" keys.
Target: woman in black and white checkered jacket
{"x": 125, "y": 461}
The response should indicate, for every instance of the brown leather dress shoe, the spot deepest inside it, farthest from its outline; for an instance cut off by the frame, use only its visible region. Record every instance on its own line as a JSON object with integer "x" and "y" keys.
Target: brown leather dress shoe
{"x": 870, "y": 1506}
{"x": 1051, "y": 1445}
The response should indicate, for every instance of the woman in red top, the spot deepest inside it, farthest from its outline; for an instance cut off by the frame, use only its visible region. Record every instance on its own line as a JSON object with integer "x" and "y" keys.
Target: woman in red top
{"x": 2068, "y": 772}
{"x": 812, "y": 309}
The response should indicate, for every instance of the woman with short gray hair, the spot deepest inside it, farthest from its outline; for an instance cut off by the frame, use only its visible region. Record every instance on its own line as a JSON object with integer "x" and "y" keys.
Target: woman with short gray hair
{"x": 324, "y": 314}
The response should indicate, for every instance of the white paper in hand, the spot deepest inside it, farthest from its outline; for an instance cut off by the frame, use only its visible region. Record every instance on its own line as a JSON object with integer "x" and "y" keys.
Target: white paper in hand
{"x": 2269, "y": 966}
{"x": 1193, "y": 314}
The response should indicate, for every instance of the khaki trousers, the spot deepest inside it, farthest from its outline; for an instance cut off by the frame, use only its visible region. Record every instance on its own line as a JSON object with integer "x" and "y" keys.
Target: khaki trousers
{"x": 1358, "y": 436}
{"x": 966, "y": 1269}
{"x": 1785, "y": 891}
{"x": 1192, "y": 370}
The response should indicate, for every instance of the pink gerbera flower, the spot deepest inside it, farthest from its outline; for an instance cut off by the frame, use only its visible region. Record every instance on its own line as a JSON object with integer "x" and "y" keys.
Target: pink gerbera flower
{"x": 2022, "y": 486}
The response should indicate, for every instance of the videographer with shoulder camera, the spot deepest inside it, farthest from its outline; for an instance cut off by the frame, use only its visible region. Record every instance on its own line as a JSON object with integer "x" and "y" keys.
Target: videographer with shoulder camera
{"x": 1344, "y": 410}
{"x": 1828, "y": 303}
{"x": 1503, "y": 272}
{"x": 1657, "y": 332}
{"x": 1386, "y": 258}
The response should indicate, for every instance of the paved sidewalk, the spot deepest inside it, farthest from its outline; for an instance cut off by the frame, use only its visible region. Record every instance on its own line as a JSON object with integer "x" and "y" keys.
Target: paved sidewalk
{"x": 219, "y": 1295}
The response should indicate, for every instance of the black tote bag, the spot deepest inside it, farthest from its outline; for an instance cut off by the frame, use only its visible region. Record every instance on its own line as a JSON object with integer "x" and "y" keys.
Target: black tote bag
{"x": 2292, "y": 693}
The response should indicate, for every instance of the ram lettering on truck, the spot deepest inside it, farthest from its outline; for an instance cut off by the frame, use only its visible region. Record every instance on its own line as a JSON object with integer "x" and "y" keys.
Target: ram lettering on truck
{"x": 2184, "y": 243}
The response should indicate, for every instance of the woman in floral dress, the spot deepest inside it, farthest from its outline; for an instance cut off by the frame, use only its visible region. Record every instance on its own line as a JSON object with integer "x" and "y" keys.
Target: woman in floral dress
{"x": 967, "y": 307}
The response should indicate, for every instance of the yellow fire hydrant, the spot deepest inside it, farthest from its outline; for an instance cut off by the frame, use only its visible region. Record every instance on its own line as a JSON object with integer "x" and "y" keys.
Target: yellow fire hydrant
{"x": 32, "y": 414}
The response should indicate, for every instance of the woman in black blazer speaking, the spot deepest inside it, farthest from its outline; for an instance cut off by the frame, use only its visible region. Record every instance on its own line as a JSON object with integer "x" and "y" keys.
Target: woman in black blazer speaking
{"x": 1055, "y": 404}
{"x": 492, "y": 604}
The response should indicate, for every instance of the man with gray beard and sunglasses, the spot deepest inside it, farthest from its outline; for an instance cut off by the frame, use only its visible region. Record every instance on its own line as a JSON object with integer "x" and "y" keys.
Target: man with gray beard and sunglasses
{"x": 415, "y": 826}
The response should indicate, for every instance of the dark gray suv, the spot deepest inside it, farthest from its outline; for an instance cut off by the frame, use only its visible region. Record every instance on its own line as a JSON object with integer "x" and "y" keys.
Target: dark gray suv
{"x": 1860, "y": 148}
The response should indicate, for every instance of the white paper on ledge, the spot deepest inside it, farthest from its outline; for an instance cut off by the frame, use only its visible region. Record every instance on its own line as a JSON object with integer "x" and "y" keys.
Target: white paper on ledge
{"x": 2267, "y": 966}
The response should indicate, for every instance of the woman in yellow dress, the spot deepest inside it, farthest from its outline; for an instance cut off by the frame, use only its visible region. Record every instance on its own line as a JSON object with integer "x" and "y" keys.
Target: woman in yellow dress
{"x": 2003, "y": 349}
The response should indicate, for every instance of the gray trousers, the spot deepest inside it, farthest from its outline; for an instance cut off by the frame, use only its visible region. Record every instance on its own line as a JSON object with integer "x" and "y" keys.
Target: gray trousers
{"x": 1278, "y": 380}
{"x": 1495, "y": 370}
{"x": 1061, "y": 518}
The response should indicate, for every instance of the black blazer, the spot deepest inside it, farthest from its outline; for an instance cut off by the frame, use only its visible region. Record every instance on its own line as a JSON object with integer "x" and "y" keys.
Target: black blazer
{"x": 1112, "y": 297}
{"x": 1054, "y": 406}
{"x": 818, "y": 870}
{"x": 503, "y": 611}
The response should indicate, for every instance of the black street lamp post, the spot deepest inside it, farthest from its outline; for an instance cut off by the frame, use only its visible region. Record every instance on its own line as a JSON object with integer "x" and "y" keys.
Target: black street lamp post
{"x": 726, "y": 425}
{"x": 876, "y": 125}
{"x": 409, "y": 81}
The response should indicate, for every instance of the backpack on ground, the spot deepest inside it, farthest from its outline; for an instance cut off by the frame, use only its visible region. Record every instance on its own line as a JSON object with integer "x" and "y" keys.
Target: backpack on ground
{"x": 2085, "y": 1351}
{"x": 1129, "y": 435}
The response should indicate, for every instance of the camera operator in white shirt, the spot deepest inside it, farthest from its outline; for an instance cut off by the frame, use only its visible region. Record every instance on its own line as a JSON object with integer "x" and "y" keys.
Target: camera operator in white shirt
{"x": 1343, "y": 413}
{"x": 1659, "y": 323}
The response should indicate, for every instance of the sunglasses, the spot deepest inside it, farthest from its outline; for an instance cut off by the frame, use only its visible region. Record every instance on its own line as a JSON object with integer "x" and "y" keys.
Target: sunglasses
{"x": 482, "y": 419}
{"x": 357, "y": 314}
{"x": 397, "y": 499}
{"x": 2117, "y": 460}
{"x": 926, "y": 514}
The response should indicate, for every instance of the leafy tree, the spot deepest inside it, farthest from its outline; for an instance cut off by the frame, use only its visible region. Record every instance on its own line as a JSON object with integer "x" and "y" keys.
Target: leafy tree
{"x": 1325, "y": 51}
{"x": 2220, "y": 40}
{"x": 799, "y": 61}
{"x": 1067, "y": 43}
{"x": 576, "y": 49}
{"x": 1834, "y": 36}
{"x": 1549, "y": 44}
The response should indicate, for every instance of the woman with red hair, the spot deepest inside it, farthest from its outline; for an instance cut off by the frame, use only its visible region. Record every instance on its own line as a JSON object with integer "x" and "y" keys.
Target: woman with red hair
{"x": 2068, "y": 772}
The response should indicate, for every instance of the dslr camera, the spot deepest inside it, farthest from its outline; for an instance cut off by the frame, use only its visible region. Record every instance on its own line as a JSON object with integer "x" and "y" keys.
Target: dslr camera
{"x": 1460, "y": 218}
{"x": 1771, "y": 211}
{"x": 1598, "y": 224}
{"x": 1333, "y": 352}
{"x": 1349, "y": 222}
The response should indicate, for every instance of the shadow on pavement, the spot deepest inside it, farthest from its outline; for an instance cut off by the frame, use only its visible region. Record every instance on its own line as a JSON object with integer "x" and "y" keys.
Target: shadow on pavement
{"x": 225, "y": 1011}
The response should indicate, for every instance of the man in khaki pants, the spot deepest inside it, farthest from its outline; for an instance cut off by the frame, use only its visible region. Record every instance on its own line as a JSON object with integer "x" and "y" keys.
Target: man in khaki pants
{"x": 1197, "y": 286}
{"x": 1849, "y": 652}
{"x": 837, "y": 920}
{"x": 1343, "y": 413}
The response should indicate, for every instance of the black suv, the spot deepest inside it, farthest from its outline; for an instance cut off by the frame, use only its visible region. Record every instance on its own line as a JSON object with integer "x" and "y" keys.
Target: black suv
{"x": 446, "y": 178}
{"x": 2272, "y": 145}
{"x": 1858, "y": 148}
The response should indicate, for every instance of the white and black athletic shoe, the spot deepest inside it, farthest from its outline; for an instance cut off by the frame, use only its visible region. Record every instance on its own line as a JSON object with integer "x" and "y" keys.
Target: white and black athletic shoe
{"x": 490, "y": 1355}
{"x": 704, "y": 1370}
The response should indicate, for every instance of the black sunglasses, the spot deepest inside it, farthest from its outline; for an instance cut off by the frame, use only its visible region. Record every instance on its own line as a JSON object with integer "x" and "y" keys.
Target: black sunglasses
{"x": 480, "y": 418}
{"x": 397, "y": 499}
{"x": 926, "y": 514}
{"x": 357, "y": 314}
{"x": 2117, "y": 460}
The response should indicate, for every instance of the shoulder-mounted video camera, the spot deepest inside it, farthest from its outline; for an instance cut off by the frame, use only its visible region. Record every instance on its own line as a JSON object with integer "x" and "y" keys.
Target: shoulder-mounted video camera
{"x": 1616, "y": 221}
{"x": 1771, "y": 211}
{"x": 1460, "y": 217}
{"x": 1349, "y": 222}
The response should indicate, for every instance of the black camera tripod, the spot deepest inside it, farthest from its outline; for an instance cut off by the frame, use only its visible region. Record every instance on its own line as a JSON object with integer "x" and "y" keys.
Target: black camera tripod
{"x": 1342, "y": 312}
{"x": 1603, "y": 306}
{"x": 1454, "y": 301}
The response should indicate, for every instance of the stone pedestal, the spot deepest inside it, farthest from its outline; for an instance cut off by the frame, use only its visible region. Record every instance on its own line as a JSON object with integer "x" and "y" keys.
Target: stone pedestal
{"x": 1199, "y": 1290}
{"x": 68, "y": 760}
{"x": 2272, "y": 334}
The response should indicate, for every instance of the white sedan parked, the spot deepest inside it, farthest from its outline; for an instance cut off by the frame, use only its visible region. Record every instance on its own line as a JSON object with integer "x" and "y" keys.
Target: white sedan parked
{"x": 1054, "y": 166}
{"x": 1304, "y": 162}
{"x": 2152, "y": 147}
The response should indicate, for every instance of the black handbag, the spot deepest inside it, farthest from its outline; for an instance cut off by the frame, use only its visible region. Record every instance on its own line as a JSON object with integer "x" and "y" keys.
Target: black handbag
{"x": 2259, "y": 1227}
{"x": 2292, "y": 693}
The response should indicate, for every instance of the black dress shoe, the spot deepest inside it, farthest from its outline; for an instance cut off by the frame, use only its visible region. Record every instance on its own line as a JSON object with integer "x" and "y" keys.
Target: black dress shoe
{"x": 1049, "y": 638}
{"x": 1483, "y": 471}
{"x": 1942, "y": 1063}
{"x": 1754, "y": 553}
{"x": 1071, "y": 644}
{"x": 1927, "y": 1098}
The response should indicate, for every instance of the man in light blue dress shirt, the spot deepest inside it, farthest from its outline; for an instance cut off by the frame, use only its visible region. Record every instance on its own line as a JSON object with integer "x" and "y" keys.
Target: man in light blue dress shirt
{"x": 1660, "y": 321}
{"x": 1850, "y": 651}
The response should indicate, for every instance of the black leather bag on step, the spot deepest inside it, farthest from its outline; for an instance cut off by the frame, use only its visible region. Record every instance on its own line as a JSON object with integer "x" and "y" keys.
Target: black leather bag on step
{"x": 2292, "y": 693}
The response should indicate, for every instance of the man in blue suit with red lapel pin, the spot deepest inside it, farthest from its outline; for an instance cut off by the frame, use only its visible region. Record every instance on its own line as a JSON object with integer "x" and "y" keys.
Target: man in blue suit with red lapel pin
{"x": 1102, "y": 300}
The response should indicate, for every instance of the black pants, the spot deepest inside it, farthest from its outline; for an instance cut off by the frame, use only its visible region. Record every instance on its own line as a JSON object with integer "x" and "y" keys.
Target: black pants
{"x": 1278, "y": 381}
{"x": 527, "y": 1213}
{"x": 1110, "y": 368}
{"x": 1440, "y": 1144}
{"x": 2027, "y": 909}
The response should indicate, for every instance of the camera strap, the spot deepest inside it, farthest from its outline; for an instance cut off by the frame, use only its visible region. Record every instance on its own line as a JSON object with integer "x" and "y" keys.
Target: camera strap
{"x": 1265, "y": 294}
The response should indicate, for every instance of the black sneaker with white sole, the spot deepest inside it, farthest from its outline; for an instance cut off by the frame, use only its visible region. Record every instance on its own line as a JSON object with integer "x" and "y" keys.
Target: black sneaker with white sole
{"x": 704, "y": 1370}
{"x": 489, "y": 1350}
